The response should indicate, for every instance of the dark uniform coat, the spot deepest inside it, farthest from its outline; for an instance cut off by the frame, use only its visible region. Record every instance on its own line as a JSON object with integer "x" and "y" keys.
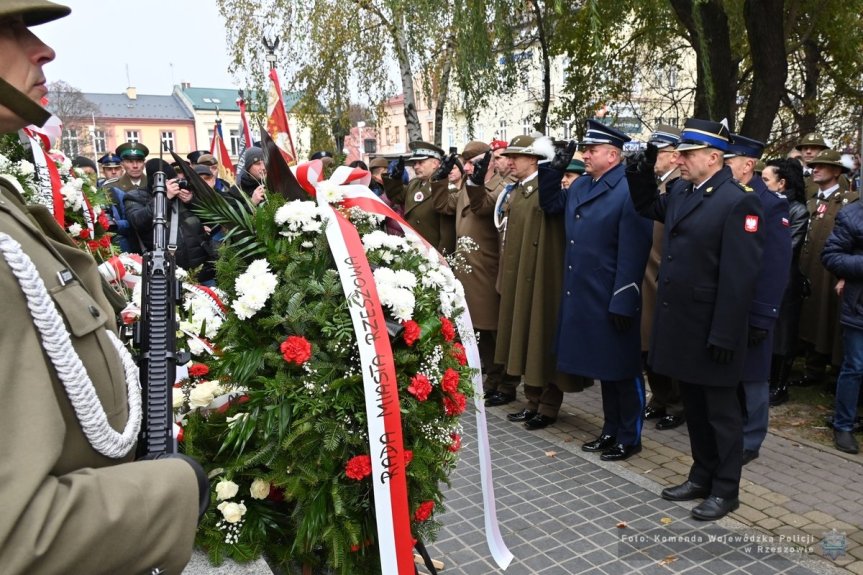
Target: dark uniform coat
{"x": 819, "y": 316}
{"x": 712, "y": 257}
{"x": 531, "y": 278}
{"x": 651, "y": 271}
{"x": 438, "y": 229}
{"x": 126, "y": 238}
{"x": 772, "y": 279}
{"x": 66, "y": 508}
{"x": 607, "y": 244}
{"x": 473, "y": 207}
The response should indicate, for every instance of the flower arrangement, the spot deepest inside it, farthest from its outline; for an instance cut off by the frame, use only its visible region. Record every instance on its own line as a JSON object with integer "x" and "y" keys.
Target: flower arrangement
{"x": 288, "y": 451}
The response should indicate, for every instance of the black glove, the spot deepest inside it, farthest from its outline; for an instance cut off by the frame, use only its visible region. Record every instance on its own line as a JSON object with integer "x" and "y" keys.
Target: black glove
{"x": 480, "y": 169}
{"x": 621, "y": 322}
{"x": 756, "y": 335}
{"x": 563, "y": 156}
{"x": 445, "y": 168}
{"x": 721, "y": 355}
{"x": 642, "y": 162}
{"x": 396, "y": 169}
{"x": 203, "y": 481}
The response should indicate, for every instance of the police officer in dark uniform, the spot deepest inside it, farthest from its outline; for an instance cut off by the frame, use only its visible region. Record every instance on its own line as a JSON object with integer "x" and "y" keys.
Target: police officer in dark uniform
{"x": 111, "y": 169}
{"x": 714, "y": 235}
{"x": 743, "y": 154}
{"x": 132, "y": 156}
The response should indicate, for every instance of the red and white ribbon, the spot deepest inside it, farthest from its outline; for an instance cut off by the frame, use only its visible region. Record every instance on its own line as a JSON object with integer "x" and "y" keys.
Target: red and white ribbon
{"x": 47, "y": 176}
{"x": 348, "y": 252}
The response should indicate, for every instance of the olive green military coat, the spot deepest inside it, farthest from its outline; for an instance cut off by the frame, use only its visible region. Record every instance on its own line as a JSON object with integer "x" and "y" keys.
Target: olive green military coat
{"x": 66, "y": 508}
{"x": 417, "y": 198}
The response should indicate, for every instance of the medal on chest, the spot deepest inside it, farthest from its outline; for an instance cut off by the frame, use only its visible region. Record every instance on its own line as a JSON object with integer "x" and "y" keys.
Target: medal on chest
{"x": 821, "y": 210}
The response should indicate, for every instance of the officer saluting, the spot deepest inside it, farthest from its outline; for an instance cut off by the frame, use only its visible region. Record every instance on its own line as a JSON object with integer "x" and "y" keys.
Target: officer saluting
{"x": 72, "y": 499}
{"x": 712, "y": 248}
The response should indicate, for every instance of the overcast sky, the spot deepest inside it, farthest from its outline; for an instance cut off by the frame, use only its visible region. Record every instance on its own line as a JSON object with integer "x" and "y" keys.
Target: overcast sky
{"x": 101, "y": 38}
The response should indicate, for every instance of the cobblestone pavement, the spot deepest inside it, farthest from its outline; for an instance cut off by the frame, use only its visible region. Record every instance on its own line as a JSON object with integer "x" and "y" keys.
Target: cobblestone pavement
{"x": 563, "y": 511}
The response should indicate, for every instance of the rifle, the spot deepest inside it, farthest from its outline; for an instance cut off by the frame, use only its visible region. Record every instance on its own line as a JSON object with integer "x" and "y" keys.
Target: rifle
{"x": 156, "y": 333}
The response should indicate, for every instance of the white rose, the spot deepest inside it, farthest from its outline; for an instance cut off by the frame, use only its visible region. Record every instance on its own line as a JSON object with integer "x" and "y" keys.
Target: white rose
{"x": 260, "y": 488}
{"x": 75, "y": 229}
{"x": 225, "y": 490}
{"x": 232, "y": 512}
{"x": 203, "y": 394}
{"x": 178, "y": 397}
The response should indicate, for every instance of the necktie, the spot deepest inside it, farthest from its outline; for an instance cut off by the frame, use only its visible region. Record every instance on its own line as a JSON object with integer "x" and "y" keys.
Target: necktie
{"x": 822, "y": 197}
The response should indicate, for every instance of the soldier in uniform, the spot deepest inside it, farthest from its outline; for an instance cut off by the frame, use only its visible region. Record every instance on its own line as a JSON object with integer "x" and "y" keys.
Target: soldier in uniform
{"x": 416, "y": 197}
{"x": 606, "y": 248}
{"x": 531, "y": 279}
{"x": 132, "y": 156}
{"x": 819, "y": 316}
{"x": 664, "y": 405}
{"x": 743, "y": 154}
{"x": 809, "y": 147}
{"x": 711, "y": 260}
{"x": 73, "y": 500}
{"x": 111, "y": 169}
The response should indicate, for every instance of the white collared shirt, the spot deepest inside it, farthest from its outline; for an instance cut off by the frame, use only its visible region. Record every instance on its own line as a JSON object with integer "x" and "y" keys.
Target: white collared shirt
{"x": 825, "y": 194}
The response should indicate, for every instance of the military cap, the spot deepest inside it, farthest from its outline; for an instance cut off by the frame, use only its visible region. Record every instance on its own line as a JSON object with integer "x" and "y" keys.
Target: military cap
{"x": 812, "y": 139}
{"x": 83, "y": 162}
{"x": 196, "y": 155}
{"x": 664, "y": 136}
{"x": 742, "y": 146}
{"x": 523, "y": 146}
{"x": 423, "y": 151}
{"x": 498, "y": 145}
{"x": 133, "y": 150}
{"x": 576, "y": 166}
{"x": 473, "y": 149}
{"x": 698, "y": 134}
{"x": 202, "y": 169}
{"x": 379, "y": 162}
{"x": 830, "y": 158}
{"x": 207, "y": 159}
{"x": 321, "y": 155}
{"x": 110, "y": 160}
{"x": 34, "y": 12}
{"x": 599, "y": 133}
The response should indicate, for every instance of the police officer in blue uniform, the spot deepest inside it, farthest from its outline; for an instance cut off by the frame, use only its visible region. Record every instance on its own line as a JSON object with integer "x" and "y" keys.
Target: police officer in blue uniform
{"x": 111, "y": 169}
{"x": 607, "y": 244}
{"x": 712, "y": 246}
{"x": 743, "y": 153}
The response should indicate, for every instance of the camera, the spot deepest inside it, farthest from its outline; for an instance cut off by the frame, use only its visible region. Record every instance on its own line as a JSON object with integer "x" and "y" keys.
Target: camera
{"x": 184, "y": 184}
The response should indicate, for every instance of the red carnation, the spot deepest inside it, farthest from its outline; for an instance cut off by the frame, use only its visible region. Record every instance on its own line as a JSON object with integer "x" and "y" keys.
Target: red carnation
{"x": 198, "y": 370}
{"x": 450, "y": 381}
{"x": 409, "y": 456}
{"x": 458, "y": 353}
{"x": 359, "y": 467}
{"x": 446, "y": 329}
{"x": 424, "y": 511}
{"x": 85, "y": 233}
{"x": 455, "y": 404}
{"x": 296, "y": 349}
{"x": 420, "y": 387}
{"x": 93, "y": 245}
{"x": 456, "y": 442}
{"x": 412, "y": 332}
{"x": 103, "y": 221}
{"x": 105, "y": 241}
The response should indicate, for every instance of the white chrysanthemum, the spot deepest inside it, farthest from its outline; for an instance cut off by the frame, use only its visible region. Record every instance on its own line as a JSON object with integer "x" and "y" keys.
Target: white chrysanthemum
{"x": 374, "y": 240}
{"x": 72, "y": 197}
{"x": 299, "y": 217}
{"x": 385, "y": 276}
{"x": 75, "y": 230}
{"x": 405, "y": 279}
{"x": 258, "y": 267}
{"x": 403, "y": 308}
{"x": 330, "y": 192}
{"x": 433, "y": 278}
{"x": 243, "y": 309}
{"x": 26, "y": 168}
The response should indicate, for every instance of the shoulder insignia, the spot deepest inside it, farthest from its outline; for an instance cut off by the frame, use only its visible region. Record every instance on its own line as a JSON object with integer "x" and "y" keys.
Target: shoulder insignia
{"x": 743, "y": 187}
{"x": 708, "y": 191}
{"x": 528, "y": 190}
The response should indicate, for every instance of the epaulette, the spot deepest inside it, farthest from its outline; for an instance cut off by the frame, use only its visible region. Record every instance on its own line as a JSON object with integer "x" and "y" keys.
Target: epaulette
{"x": 744, "y": 187}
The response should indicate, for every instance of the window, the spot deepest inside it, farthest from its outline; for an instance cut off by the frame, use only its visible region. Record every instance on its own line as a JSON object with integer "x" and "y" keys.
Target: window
{"x": 567, "y": 130}
{"x": 387, "y": 135}
{"x": 450, "y": 136}
{"x": 398, "y": 137}
{"x": 70, "y": 142}
{"x": 132, "y": 136}
{"x": 464, "y": 138}
{"x": 99, "y": 141}
{"x": 167, "y": 139}
{"x": 234, "y": 136}
{"x": 370, "y": 146}
{"x": 526, "y": 128}
{"x": 480, "y": 133}
{"x": 501, "y": 133}
{"x": 430, "y": 135}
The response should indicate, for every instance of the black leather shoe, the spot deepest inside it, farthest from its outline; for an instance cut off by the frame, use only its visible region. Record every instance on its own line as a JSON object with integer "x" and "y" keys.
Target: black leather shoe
{"x": 844, "y": 441}
{"x": 601, "y": 443}
{"x": 670, "y": 422}
{"x": 620, "y": 452}
{"x": 686, "y": 491}
{"x": 714, "y": 508}
{"x": 521, "y": 416}
{"x": 651, "y": 412}
{"x": 749, "y": 455}
{"x": 539, "y": 421}
{"x": 497, "y": 398}
{"x": 778, "y": 395}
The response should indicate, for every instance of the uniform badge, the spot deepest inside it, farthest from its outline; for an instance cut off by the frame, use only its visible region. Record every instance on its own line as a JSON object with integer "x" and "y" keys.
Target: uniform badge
{"x": 751, "y": 223}
{"x": 786, "y": 223}
{"x": 418, "y": 197}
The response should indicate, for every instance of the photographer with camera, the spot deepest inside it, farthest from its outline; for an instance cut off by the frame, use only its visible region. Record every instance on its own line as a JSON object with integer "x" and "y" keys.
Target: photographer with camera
{"x": 194, "y": 245}
{"x": 73, "y": 500}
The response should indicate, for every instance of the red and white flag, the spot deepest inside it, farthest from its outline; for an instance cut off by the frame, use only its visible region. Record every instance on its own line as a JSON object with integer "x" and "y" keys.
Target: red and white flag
{"x": 277, "y": 120}
{"x": 220, "y": 152}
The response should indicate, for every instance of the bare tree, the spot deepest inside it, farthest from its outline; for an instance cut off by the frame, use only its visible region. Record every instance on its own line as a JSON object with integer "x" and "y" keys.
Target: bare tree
{"x": 76, "y": 112}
